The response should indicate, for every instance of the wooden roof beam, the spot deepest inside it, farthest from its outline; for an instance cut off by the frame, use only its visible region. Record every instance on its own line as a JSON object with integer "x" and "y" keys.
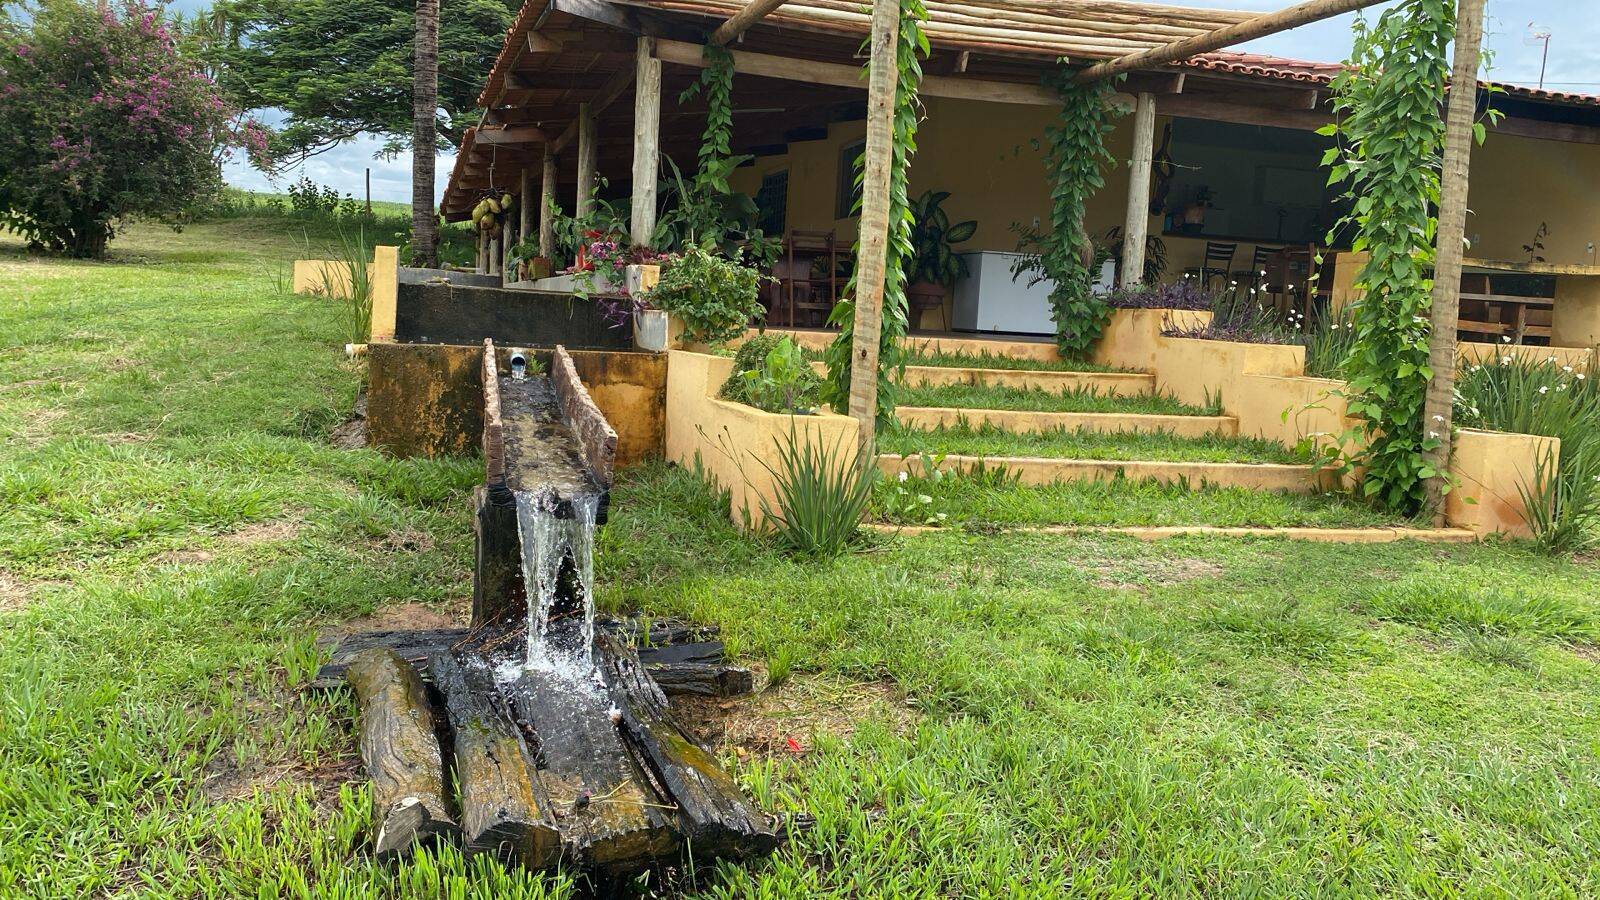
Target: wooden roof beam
{"x": 740, "y": 22}
{"x": 1248, "y": 30}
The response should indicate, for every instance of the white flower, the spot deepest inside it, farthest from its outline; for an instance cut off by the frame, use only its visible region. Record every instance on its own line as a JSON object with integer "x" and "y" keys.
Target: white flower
{"x": 1561, "y": 387}
{"x": 1438, "y": 418}
{"x": 1505, "y": 360}
{"x": 1433, "y": 435}
{"x": 1567, "y": 369}
{"x": 1263, "y": 273}
{"x": 904, "y": 476}
{"x": 1545, "y": 389}
{"x": 1550, "y": 359}
{"x": 1580, "y": 376}
{"x": 1504, "y": 338}
{"x": 1233, "y": 284}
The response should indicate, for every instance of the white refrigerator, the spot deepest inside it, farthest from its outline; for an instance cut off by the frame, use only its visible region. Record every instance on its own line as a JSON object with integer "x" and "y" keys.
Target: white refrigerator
{"x": 991, "y": 300}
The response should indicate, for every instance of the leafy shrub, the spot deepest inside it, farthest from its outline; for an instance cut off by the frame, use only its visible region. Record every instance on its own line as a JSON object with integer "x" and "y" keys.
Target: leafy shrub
{"x": 715, "y": 297}
{"x": 933, "y": 258}
{"x": 103, "y": 121}
{"x": 1545, "y": 398}
{"x": 780, "y": 380}
{"x": 1329, "y": 340}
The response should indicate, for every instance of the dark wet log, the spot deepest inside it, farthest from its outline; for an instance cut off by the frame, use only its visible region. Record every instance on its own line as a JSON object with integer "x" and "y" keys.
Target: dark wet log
{"x": 610, "y": 814}
{"x": 703, "y": 652}
{"x": 504, "y": 809}
{"x": 715, "y": 817}
{"x": 400, "y": 747}
{"x": 415, "y": 647}
{"x": 499, "y": 593}
{"x": 702, "y": 679}
{"x": 645, "y": 631}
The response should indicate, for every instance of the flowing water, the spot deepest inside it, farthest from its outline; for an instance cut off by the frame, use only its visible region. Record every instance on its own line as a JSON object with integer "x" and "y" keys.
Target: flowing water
{"x": 558, "y": 569}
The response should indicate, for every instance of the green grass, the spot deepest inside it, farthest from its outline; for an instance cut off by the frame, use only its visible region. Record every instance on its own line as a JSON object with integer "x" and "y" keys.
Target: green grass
{"x": 966, "y": 439}
{"x": 1080, "y": 399}
{"x": 987, "y": 360}
{"x": 1084, "y": 715}
{"x": 982, "y": 503}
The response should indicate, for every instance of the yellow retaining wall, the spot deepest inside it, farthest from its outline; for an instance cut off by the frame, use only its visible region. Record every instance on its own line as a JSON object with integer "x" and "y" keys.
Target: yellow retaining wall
{"x": 1022, "y": 421}
{"x": 1195, "y": 370}
{"x": 1037, "y": 470}
{"x": 1130, "y": 338}
{"x": 1579, "y": 358}
{"x": 323, "y": 277}
{"x": 731, "y": 441}
{"x": 331, "y": 278}
{"x": 1492, "y": 469}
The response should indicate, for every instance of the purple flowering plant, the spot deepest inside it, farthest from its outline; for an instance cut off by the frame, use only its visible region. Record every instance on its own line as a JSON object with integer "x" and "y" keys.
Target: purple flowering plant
{"x": 103, "y": 121}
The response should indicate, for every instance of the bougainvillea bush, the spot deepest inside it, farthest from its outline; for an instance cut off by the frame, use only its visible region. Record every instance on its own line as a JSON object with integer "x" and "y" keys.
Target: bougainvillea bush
{"x": 103, "y": 121}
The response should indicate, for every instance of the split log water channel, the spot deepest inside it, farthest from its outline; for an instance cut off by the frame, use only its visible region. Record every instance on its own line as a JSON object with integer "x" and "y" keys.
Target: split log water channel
{"x": 554, "y": 729}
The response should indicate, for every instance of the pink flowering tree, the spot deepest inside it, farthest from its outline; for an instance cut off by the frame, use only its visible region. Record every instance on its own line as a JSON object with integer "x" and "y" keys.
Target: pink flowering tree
{"x": 104, "y": 121}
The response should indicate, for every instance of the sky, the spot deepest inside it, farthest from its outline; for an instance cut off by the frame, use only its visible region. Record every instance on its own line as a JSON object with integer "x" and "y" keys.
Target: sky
{"x": 1574, "y": 65}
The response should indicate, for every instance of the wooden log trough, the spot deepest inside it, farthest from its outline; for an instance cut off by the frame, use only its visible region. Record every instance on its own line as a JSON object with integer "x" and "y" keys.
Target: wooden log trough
{"x": 581, "y": 762}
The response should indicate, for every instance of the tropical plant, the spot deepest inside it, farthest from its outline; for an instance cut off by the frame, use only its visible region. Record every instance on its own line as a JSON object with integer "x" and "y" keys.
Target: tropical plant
{"x": 933, "y": 259}
{"x": 821, "y": 495}
{"x": 104, "y": 121}
{"x": 1155, "y": 253}
{"x": 911, "y": 47}
{"x": 1063, "y": 253}
{"x": 715, "y": 297}
{"x": 782, "y": 382}
{"x": 1544, "y": 397}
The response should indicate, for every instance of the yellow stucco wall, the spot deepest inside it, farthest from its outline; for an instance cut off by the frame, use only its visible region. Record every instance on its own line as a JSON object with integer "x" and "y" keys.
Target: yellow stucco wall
{"x": 991, "y": 158}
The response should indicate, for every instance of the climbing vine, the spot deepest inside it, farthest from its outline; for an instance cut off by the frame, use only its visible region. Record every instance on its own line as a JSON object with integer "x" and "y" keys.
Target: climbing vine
{"x": 1075, "y": 164}
{"x": 911, "y": 47}
{"x": 716, "y": 81}
{"x": 1389, "y": 151}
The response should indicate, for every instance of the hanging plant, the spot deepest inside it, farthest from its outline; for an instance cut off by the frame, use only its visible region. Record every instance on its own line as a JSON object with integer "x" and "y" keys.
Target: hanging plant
{"x": 1389, "y": 153}
{"x": 1075, "y": 163}
{"x": 911, "y": 47}
{"x": 716, "y": 142}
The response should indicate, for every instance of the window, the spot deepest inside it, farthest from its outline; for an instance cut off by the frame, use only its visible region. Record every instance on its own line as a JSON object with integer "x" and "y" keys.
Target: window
{"x": 849, "y": 193}
{"x": 772, "y": 203}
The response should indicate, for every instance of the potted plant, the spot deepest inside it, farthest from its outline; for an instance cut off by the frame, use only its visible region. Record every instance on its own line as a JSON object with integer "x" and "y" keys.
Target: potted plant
{"x": 714, "y": 297}
{"x": 934, "y": 264}
{"x": 531, "y": 266}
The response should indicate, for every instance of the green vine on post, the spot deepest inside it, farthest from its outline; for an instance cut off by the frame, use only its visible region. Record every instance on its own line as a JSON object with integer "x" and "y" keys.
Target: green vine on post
{"x": 911, "y": 47}
{"x": 1390, "y": 143}
{"x": 716, "y": 143}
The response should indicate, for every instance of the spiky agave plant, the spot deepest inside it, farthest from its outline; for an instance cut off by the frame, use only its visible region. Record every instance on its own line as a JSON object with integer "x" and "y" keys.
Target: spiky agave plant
{"x": 822, "y": 494}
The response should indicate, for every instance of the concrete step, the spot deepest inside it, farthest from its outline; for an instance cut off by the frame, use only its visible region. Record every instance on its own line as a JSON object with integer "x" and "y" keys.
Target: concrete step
{"x": 1039, "y": 349}
{"x": 1112, "y": 384}
{"x": 1377, "y": 535}
{"x": 1026, "y": 421}
{"x": 1035, "y": 470}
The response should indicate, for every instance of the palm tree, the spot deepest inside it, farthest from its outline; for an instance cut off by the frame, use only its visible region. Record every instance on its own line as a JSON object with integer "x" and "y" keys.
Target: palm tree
{"x": 424, "y": 124}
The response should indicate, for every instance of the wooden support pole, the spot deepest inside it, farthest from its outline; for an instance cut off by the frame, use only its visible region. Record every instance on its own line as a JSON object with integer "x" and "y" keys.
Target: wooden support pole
{"x": 528, "y": 202}
{"x": 588, "y": 151}
{"x": 1248, "y": 30}
{"x": 547, "y": 196}
{"x": 1451, "y": 237}
{"x": 646, "y": 142}
{"x": 1137, "y": 224}
{"x": 882, "y": 74}
{"x": 741, "y": 21}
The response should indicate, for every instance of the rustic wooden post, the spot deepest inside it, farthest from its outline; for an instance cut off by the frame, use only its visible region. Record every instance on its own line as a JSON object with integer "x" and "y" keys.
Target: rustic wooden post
{"x": 547, "y": 195}
{"x": 1451, "y": 236}
{"x": 1137, "y": 225}
{"x": 646, "y": 139}
{"x": 882, "y": 75}
{"x": 528, "y": 203}
{"x": 587, "y": 152}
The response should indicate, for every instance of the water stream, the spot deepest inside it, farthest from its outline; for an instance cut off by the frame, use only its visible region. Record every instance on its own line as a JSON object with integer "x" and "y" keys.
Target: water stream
{"x": 558, "y": 569}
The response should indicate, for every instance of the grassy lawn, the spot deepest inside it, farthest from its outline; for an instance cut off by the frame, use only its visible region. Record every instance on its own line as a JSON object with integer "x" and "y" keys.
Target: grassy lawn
{"x": 967, "y": 439}
{"x": 981, "y": 715}
{"x": 1080, "y": 400}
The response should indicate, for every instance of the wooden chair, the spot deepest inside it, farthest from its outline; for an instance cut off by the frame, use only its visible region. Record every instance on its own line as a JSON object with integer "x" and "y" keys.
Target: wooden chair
{"x": 809, "y": 297}
{"x": 1256, "y": 276}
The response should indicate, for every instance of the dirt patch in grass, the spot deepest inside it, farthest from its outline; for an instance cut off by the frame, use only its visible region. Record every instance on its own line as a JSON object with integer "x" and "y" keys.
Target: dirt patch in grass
{"x": 251, "y": 535}
{"x": 404, "y": 540}
{"x": 802, "y": 709}
{"x": 1157, "y": 572}
{"x": 409, "y": 617}
{"x": 351, "y": 434}
{"x": 14, "y": 592}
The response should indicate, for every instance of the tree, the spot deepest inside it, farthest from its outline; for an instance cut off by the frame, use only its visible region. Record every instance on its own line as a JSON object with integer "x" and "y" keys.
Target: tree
{"x": 103, "y": 121}
{"x": 343, "y": 68}
{"x": 424, "y": 102}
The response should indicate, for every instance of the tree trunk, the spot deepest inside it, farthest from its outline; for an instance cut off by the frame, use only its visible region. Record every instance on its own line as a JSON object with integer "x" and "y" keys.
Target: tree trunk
{"x": 424, "y": 136}
{"x": 1446, "y": 310}
{"x": 882, "y": 74}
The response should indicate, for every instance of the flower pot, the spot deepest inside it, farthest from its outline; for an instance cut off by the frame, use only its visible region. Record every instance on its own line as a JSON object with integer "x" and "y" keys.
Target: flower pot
{"x": 923, "y": 297}
{"x": 535, "y": 268}
{"x": 651, "y": 330}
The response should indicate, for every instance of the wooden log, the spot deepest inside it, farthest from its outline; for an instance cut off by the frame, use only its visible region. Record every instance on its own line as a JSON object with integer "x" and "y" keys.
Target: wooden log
{"x": 716, "y": 819}
{"x": 701, "y": 679}
{"x": 588, "y": 153}
{"x": 504, "y": 809}
{"x": 1248, "y": 30}
{"x": 700, "y": 652}
{"x": 740, "y": 22}
{"x": 609, "y": 812}
{"x": 646, "y": 143}
{"x": 499, "y": 591}
{"x": 1137, "y": 223}
{"x": 400, "y": 747}
{"x": 654, "y": 632}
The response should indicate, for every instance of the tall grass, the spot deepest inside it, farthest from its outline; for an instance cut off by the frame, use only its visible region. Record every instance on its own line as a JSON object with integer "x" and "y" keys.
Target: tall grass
{"x": 1329, "y": 338}
{"x": 349, "y": 282}
{"x": 822, "y": 494}
{"x": 1545, "y": 398}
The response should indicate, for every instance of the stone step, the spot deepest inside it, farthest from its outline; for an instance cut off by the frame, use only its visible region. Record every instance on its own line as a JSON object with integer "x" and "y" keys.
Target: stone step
{"x": 1027, "y": 421}
{"x": 1038, "y": 349}
{"x": 1035, "y": 470}
{"x": 1378, "y": 535}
